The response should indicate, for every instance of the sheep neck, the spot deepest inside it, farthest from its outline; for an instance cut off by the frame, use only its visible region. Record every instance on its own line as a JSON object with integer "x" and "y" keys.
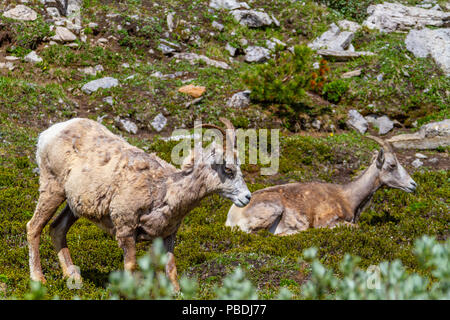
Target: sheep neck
{"x": 360, "y": 191}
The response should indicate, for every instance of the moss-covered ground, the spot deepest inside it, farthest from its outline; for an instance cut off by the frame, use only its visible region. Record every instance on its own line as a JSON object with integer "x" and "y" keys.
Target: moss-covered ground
{"x": 32, "y": 97}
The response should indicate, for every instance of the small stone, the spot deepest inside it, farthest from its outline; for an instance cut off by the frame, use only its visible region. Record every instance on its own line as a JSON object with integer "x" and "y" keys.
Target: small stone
{"x": 32, "y": 57}
{"x": 217, "y": 26}
{"x": 380, "y": 77}
{"x": 349, "y": 25}
{"x": 239, "y": 100}
{"x": 126, "y": 125}
{"x": 170, "y": 24}
{"x": 194, "y": 58}
{"x": 109, "y": 100}
{"x": 272, "y": 43}
{"x": 104, "y": 83}
{"x": 316, "y": 124}
{"x": 417, "y": 163}
{"x": 53, "y": 12}
{"x": 316, "y": 65}
{"x": 63, "y": 34}
{"x": 350, "y": 74}
{"x": 256, "y": 54}
{"x": 227, "y": 4}
{"x": 252, "y": 18}
{"x": 159, "y": 122}
{"x": 7, "y": 65}
{"x": 232, "y": 50}
{"x": 383, "y": 123}
{"x": 420, "y": 156}
{"x": 433, "y": 160}
{"x": 357, "y": 121}
{"x": 193, "y": 91}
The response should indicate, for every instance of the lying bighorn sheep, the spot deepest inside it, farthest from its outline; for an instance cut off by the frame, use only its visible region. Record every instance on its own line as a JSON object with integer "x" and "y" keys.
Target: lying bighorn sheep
{"x": 290, "y": 208}
{"x": 133, "y": 195}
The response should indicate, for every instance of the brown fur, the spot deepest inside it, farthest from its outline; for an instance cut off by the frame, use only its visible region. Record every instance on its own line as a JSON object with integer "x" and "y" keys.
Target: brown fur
{"x": 290, "y": 208}
{"x": 132, "y": 195}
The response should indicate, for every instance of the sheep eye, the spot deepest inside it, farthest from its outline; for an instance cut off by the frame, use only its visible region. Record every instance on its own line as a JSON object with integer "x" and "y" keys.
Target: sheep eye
{"x": 392, "y": 166}
{"x": 228, "y": 171}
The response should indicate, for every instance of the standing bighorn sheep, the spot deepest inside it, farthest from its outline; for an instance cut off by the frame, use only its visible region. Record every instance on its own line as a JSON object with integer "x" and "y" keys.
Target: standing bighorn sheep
{"x": 290, "y": 208}
{"x": 133, "y": 195}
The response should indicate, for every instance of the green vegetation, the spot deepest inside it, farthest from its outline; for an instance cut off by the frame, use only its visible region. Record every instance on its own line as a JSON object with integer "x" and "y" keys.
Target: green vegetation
{"x": 32, "y": 97}
{"x": 385, "y": 281}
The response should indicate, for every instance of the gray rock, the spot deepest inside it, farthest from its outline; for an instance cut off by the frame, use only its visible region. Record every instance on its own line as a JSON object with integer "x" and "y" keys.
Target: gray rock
{"x": 357, "y": 121}
{"x": 316, "y": 124}
{"x": 239, "y": 100}
{"x": 256, "y": 54}
{"x": 349, "y": 25}
{"x": 232, "y": 50}
{"x": 420, "y": 156}
{"x": 104, "y": 83}
{"x": 63, "y": 34}
{"x": 343, "y": 55}
{"x": 227, "y": 4}
{"x": 350, "y": 74}
{"x": 170, "y": 24}
{"x": 333, "y": 39}
{"x": 390, "y": 17}
{"x": 252, "y": 18}
{"x": 430, "y": 136}
{"x": 383, "y": 123}
{"x": 435, "y": 43}
{"x": 165, "y": 49}
{"x": 380, "y": 77}
{"x": 126, "y": 125}
{"x": 417, "y": 163}
{"x": 53, "y": 12}
{"x": 7, "y": 65}
{"x": 272, "y": 43}
{"x": 32, "y": 57}
{"x": 21, "y": 12}
{"x": 159, "y": 122}
{"x": 217, "y": 26}
{"x": 109, "y": 100}
{"x": 194, "y": 58}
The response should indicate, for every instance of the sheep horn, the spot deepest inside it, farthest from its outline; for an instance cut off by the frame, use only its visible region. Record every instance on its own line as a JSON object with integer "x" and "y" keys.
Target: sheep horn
{"x": 230, "y": 126}
{"x": 381, "y": 142}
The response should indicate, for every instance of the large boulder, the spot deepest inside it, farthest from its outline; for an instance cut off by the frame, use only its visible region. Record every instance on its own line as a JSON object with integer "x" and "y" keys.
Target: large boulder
{"x": 435, "y": 43}
{"x": 390, "y": 17}
{"x": 430, "y": 136}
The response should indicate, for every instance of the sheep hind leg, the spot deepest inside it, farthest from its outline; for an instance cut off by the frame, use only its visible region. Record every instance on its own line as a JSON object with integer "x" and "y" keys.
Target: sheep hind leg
{"x": 171, "y": 268}
{"x": 47, "y": 205}
{"x": 58, "y": 231}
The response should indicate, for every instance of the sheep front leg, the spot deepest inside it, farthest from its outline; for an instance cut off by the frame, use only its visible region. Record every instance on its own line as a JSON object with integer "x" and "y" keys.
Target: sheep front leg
{"x": 171, "y": 268}
{"x": 128, "y": 245}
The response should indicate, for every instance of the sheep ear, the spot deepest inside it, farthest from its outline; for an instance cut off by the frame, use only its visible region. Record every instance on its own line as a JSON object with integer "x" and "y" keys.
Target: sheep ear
{"x": 380, "y": 158}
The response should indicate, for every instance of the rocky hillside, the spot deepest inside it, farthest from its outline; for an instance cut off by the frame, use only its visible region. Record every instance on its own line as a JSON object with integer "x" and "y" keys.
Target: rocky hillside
{"x": 144, "y": 68}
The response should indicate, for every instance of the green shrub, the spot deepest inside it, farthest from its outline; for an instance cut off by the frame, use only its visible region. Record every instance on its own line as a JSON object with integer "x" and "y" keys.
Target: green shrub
{"x": 355, "y": 9}
{"x": 283, "y": 80}
{"x": 334, "y": 90}
{"x": 387, "y": 280}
